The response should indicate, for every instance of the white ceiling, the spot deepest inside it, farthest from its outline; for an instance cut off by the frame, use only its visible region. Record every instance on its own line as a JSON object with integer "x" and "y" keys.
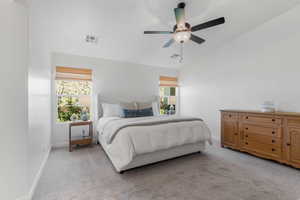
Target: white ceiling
{"x": 120, "y": 25}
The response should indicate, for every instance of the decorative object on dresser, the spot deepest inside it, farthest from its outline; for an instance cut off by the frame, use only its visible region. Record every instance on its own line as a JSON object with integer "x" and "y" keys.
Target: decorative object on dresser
{"x": 274, "y": 135}
{"x": 83, "y": 140}
{"x": 268, "y": 106}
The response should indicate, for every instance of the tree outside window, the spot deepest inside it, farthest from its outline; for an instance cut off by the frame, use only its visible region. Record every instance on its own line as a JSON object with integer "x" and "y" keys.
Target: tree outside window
{"x": 73, "y": 98}
{"x": 168, "y": 100}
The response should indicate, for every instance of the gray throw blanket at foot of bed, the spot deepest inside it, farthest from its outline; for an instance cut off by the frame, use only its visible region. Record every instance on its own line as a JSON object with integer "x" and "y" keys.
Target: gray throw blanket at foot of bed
{"x": 112, "y": 128}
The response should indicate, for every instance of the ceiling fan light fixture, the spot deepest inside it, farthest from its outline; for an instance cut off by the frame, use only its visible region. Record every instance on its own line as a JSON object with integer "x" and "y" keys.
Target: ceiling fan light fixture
{"x": 182, "y": 36}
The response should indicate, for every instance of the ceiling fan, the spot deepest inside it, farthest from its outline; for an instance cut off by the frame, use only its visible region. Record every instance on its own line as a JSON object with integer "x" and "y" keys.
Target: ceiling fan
{"x": 182, "y": 31}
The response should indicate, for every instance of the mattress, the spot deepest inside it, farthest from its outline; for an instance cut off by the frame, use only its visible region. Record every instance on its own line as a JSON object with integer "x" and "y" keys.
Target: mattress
{"x": 139, "y": 145}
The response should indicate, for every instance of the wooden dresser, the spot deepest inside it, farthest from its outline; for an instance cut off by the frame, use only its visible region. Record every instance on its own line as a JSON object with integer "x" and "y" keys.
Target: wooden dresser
{"x": 274, "y": 136}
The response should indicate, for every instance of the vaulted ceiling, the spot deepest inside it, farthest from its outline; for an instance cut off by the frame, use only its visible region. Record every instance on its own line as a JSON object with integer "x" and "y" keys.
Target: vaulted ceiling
{"x": 120, "y": 25}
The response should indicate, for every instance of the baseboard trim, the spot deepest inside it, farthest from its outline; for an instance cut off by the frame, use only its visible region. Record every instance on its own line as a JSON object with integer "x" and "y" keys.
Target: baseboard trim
{"x": 38, "y": 176}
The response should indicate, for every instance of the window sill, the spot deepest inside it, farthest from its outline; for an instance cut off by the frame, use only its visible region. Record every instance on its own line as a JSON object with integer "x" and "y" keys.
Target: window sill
{"x": 62, "y": 123}
{"x": 68, "y": 122}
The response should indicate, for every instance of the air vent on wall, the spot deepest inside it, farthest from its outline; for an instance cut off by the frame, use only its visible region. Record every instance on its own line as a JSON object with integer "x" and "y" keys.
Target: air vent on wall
{"x": 91, "y": 39}
{"x": 175, "y": 56}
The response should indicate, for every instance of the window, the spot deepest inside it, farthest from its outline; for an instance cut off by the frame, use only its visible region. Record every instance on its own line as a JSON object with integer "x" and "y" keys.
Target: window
{"x": 73, "y": 91}
{"x": 168, "y": 95}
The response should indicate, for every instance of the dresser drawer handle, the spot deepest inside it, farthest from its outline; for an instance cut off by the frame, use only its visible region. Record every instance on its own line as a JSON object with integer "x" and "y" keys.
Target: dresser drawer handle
{"x": 236, "y": 134}
{"x": 246, "y": 128}
{"x": 273, "y": 132}
{"x": 273, "y": 120}
{"x": 246, "y": 143}
{"x": 246, "y": 135}
{"x": 229, "y": 115}
{"x": 247, "y": 117}
{"x": 273, "y": 141}
{"x": 288, "y": 144}
{"x": 273, "y": 150}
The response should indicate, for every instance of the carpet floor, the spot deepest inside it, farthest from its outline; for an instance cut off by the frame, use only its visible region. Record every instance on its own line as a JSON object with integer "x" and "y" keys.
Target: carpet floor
{"x": 216, "y": 174}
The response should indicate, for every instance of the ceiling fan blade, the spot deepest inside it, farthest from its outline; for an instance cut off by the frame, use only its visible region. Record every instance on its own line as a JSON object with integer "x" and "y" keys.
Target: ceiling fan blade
{"x": 169, "y": 43}
{"x": 208, "y": 24}
{"x": 158, "y": 32}
{"x": 197, "y": 39}
{"x": 180, "y": 17}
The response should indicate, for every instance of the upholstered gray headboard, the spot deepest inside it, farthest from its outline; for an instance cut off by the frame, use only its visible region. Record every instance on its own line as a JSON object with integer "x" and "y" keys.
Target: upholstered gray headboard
{"x": 104, "y": 99}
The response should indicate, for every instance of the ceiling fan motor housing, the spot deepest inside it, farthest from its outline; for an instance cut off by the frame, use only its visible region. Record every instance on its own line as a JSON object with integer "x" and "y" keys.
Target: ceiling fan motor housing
{"x": 187, "y": 27}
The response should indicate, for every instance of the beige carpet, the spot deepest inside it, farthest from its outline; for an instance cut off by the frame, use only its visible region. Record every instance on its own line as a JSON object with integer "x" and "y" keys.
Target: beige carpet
{"x": 217, "y": 174}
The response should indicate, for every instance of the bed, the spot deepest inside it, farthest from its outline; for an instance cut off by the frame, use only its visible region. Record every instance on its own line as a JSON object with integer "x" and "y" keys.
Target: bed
{"x": 135, "y": 142}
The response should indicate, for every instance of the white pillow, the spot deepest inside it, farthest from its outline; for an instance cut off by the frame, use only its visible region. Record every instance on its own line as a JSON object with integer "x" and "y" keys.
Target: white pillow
{"x": 111, "y": 110}
{"x": 155, "y": 108}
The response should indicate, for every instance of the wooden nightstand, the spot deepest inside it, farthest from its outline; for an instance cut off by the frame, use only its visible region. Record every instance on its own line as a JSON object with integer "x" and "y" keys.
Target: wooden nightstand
{"x": 87, "y": 140}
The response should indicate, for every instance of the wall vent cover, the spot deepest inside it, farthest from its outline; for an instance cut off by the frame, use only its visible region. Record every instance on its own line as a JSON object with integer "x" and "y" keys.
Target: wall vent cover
{"x": 91, "y": 39}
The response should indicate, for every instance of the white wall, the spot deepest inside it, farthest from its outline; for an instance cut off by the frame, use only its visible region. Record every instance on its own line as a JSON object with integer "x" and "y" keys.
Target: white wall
{"x": 261, "y": 65}
{"x": 39, "y": 105}
{"x": 13, "y": 89}
{"x": 112, "y": 79}
{"x": 53, "y": 29}
{"x": 26, "y": 107}
{"x": 39, "y": 99}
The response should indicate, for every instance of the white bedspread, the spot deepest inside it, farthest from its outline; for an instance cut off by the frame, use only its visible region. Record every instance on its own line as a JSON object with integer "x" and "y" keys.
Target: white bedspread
{"x": 135, "y": 140}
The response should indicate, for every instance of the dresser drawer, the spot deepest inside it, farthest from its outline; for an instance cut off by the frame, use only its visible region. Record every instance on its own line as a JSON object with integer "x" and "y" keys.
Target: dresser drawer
{"x": 273, "y": 131}
{"x": 261, "y": 119}
{"x": 263, "y": 139}
{"x": 262, "y": 149}
{"x": 230, "y": 116}
{"x": 293, "y": 122}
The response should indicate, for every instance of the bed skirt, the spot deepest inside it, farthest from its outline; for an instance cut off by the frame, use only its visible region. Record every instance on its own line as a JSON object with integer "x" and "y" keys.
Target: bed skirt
{"x": 154, "y": 157}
